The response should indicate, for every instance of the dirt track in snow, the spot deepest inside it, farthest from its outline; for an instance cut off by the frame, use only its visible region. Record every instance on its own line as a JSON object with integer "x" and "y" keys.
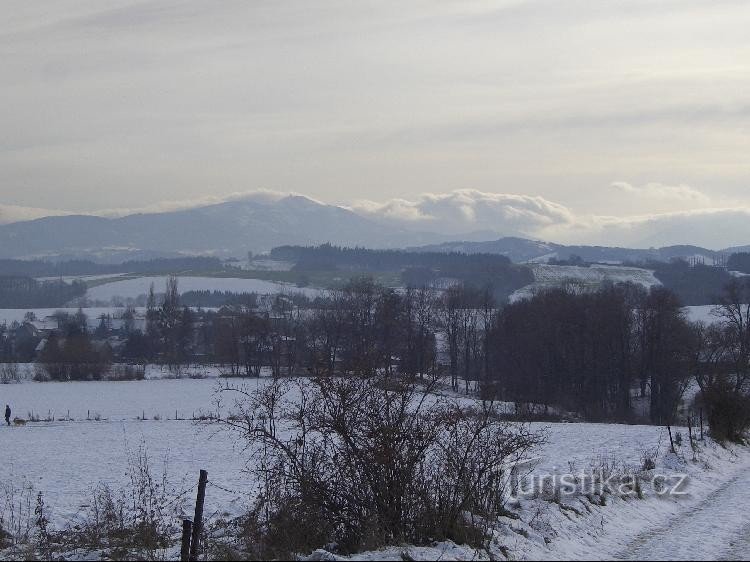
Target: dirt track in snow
{"x": 716, "y": 528}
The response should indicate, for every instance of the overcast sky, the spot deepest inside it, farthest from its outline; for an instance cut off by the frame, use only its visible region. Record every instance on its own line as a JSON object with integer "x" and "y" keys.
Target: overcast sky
{"x": 606, "y": 110}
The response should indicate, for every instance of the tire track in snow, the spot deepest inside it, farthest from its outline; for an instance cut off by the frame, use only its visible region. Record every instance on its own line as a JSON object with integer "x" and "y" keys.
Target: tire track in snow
{"x": 740, "y": 548}
{"x": 718, "y": 527}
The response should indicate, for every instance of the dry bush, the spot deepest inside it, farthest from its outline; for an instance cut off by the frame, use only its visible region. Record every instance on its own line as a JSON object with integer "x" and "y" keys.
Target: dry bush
{"x": 728, "y": 412}
{"x": 9, "y": 373}
{"x": 126, "y": 373}
{"x": 357, "y": 463}
{"x": 16, "y": 514}
{"x": 135, "y": 521}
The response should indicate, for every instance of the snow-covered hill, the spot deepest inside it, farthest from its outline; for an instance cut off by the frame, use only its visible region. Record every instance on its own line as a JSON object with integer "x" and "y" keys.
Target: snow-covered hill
{"x": 589, "y": 278}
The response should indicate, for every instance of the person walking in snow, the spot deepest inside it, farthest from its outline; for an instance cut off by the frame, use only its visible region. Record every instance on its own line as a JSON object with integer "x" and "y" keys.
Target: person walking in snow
{"x": 7, "y": 414}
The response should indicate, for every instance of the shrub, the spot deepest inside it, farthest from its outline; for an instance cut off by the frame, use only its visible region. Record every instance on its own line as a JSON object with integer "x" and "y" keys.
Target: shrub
{"x": 648, "y": 459}
{"x": 126, "y": 373}
{"x": 9, "y": 372}
{"x": 728, "y": 412}
{"x": 360, "y": 464}
{"x": 134, "y": 521}
{"x": 678, "y": 439}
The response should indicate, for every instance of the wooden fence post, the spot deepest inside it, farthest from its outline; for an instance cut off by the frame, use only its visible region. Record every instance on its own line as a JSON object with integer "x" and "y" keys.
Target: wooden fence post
{"x": 671, "y": 441}
{"x": 198, "y": 519}
{"x": 690, "y": 432}
{"x": 187, "y": 528}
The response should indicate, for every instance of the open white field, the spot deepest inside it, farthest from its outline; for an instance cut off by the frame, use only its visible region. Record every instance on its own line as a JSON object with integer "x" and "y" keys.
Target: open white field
{"x": 66, "y": 460}
{"x": 69, "y": 278}
{"x": 132, "y": 288}
{"x": 706, "y": 314}
{"x": 549, "y": 276}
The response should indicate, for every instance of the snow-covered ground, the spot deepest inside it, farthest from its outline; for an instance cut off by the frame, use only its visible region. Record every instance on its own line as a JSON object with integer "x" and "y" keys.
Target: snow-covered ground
{"x": 710, "y": 521}
{"x": 706, "y": 314}
{"x": 269, "y": 265}
{"x": 67, "y": 459}
{"x": 550, "y": 276}
{"x": 69, "y": 278}
{"x": 132, "y": 288}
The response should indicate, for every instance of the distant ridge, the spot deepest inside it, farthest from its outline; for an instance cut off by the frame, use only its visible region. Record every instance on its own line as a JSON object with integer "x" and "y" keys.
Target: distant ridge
{"x": 233, "y": 228}
{"x": 524, "y": 250}
{"x": 224, "y": 229}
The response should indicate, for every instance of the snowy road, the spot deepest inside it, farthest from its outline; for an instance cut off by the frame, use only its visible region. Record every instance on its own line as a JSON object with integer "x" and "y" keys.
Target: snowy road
{"x": 716, "y": 528}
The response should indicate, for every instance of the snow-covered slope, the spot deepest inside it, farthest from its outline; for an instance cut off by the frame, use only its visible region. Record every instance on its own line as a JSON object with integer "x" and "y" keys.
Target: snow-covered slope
{"x": 590, "y": 278}
{"x": 132, "y": 288}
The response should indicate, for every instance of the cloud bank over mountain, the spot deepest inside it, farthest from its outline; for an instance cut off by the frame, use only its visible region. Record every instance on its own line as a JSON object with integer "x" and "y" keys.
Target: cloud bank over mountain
{"x": 467, "y": 210}
{"x": 692, "y": 217}
{"x": 698, "y": 219}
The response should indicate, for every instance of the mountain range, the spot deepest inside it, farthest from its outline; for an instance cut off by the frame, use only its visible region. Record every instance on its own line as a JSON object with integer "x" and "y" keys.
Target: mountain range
{"x": 236, "y": 227}
{"x": 525, "y": 250}
{"x": 225, "y": 229}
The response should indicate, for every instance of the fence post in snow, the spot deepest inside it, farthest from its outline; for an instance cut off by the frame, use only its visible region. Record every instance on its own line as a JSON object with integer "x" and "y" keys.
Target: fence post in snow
{"x": 187, "y": 528}
{"x": 671, "y": 441}
{"x": 198, "y": 519}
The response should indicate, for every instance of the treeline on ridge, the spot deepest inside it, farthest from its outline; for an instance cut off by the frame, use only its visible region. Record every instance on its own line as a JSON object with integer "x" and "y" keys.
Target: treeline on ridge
{"x": 25, "y": 292}
{"x": 695, "y": 285}
{"x": 480, "y": 271}
{"x": 41, "y": 268}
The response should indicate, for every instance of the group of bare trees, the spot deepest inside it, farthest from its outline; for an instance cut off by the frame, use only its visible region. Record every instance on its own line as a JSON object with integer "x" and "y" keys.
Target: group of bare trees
{"x": 363, "y": 329}
{"x": 586, "y": 351}
{"x": 71, "y": 354}
{"x": 723, "y": 364}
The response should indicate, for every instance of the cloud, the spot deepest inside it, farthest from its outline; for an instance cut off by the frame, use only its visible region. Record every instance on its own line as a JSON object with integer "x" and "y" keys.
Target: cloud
{"x": 466, "y": 210}
{"x": 715, "y": 228}
{"x": 259, "y": 195}
{"x": 14, "y": 213}
{"x": 660, "y": 191}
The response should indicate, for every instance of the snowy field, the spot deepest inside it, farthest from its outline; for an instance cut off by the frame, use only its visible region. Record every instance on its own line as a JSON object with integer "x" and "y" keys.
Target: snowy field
{"x": 550, "y": 276}
{"x": 67, "y": 459}
{"x": 269, "y": 265}
{"x": 70, "y": 278}
{"x": 705, "y": 314}
{"x": 132, "y": 288}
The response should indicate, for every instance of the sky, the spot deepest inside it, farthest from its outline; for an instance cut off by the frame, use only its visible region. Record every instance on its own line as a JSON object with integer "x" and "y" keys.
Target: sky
{"x": 578, "y": 120}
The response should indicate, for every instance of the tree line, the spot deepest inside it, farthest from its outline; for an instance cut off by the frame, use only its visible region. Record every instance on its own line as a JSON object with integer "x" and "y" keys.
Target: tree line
{"x": 25, "y": 292}
{"x": 600, "y": 355}
{"x": 69, "y": 268}
{"x": 477, "y": 270}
